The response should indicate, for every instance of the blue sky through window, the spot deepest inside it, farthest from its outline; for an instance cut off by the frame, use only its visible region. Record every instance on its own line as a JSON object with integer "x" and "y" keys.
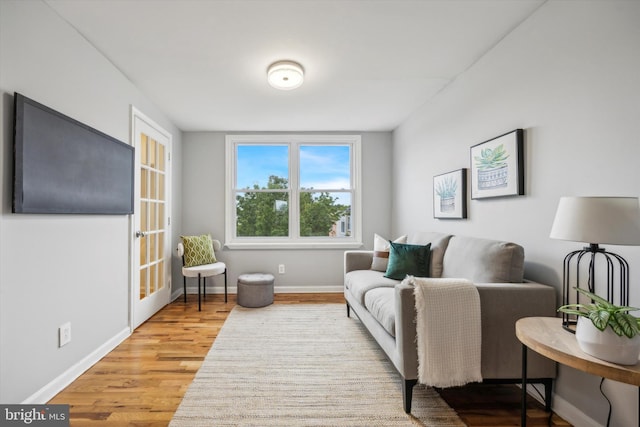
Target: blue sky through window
{"x": 321, "y": 166}
{"x": 256, "y": 163}
{"x": 324, "y": 166}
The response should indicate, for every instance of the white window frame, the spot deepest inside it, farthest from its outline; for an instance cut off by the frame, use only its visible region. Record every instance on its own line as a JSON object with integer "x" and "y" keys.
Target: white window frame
{"x": 232, "y": 241}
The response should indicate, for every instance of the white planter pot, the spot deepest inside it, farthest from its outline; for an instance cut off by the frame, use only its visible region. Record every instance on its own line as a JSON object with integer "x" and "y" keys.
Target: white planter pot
{"x": 606, "y": 345}
{"x": 448, "y": 204}
{"x": 489, "y": 179}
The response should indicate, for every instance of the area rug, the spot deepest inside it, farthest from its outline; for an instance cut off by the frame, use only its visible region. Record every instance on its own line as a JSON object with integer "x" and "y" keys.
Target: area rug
{"x": 302, "y": 365}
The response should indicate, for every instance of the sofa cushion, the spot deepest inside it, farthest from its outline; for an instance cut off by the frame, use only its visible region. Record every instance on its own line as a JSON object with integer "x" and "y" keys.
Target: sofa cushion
{"x": 381, "y": 251}
{"x": 381, "y": 304}
{"x": 359, "y": 282}
{"x": 483, "y": 260}
{"x": 439, "y": 242}
{"x": 407, "y": 259}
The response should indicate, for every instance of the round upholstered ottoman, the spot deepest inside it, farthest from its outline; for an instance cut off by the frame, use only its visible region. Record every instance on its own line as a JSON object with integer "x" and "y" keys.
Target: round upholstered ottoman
{"x": 255, "y": 289}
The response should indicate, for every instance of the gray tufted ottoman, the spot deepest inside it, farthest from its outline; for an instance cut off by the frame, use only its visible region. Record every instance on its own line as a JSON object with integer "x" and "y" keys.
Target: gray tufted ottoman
{"x": 255, "y": 289}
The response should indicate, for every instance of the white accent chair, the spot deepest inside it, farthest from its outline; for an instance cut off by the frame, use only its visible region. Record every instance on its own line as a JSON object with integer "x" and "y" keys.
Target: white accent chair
{"x": 203, "y": 271}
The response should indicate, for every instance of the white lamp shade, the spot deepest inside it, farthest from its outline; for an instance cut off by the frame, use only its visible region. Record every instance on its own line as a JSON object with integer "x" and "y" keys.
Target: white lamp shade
{"x": 285, "y": 75}
{"x": 611, "y": 220}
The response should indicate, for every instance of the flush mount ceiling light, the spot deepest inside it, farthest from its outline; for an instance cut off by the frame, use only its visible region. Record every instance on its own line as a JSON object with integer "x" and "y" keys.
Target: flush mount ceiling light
{"x": 285, "y": 75}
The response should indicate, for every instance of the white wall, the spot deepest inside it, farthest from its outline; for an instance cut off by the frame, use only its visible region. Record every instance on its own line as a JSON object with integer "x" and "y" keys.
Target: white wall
{"x": 570, "y": 77}
{"x": 306, "y": 270}
{"x": 55, "y": 269}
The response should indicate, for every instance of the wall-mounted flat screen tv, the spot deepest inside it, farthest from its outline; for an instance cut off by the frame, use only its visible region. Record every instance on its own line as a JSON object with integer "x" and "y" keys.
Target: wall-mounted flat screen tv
{"x": 62, "y": 166}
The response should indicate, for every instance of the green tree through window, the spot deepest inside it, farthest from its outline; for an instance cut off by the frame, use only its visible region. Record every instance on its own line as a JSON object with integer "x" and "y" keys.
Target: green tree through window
{"x": 267, "y": 213}
{"x": 264, "y": 213}
{"x": 318, "y": 213}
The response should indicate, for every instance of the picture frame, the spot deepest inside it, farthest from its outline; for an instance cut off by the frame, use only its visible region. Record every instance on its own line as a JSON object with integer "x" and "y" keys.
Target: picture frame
{"x": 450, "y": 194}
{"x": 497, "y": 166}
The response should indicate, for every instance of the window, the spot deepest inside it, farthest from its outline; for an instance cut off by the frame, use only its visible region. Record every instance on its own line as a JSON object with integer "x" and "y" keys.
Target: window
{"x": 293, "y": 191}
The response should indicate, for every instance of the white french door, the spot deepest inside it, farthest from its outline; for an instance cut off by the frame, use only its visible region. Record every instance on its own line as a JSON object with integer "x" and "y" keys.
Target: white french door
{"x": 151, "y": 263}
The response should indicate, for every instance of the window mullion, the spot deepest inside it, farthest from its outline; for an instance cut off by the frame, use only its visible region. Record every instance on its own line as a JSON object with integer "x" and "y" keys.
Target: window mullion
{"x": 294, "y": 190}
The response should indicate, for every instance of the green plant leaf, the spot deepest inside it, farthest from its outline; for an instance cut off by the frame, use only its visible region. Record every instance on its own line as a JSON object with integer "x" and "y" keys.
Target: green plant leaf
{"x": 579, "y": 309}
{"x": 491, "y": 158}
{"x": 624, "y": 324}
{"x": 594, "y": 297}
{"x": 567, "y": 310}
{"x": 447, "y": 187}
{"x": 600, "y": 318}
{"x": 602, "y": 313}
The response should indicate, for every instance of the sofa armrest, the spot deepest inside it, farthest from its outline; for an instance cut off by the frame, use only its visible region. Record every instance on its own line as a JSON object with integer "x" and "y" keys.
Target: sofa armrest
{"x": 502, "y": 304}
{"x": 406, "y": 330}
{"x": 357, "y": 260}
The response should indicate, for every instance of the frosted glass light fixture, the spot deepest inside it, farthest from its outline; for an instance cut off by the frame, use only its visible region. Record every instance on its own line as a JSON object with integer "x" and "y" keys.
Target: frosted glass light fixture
{"x": 285, "y": 75}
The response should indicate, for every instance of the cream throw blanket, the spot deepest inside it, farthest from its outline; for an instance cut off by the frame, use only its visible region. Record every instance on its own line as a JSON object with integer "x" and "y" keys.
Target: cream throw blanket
{"x": 448, "y": 331}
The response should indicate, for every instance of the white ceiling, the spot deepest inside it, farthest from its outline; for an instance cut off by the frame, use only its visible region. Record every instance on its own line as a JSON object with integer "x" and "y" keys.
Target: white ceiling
{"x": 368, "y": 63}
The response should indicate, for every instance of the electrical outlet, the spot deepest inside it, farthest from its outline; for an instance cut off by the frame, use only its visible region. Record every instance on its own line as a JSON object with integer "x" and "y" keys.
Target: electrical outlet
{"x": 64, "y": 334}
{"x": 281, "y": 268}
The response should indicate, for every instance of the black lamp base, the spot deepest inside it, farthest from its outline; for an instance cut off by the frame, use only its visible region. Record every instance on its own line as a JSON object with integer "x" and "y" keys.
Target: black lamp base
{"x": 571, "y": 279}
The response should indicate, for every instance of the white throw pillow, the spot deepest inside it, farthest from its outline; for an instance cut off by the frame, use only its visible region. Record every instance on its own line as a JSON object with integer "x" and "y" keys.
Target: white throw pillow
{"x": 381, "y": 251}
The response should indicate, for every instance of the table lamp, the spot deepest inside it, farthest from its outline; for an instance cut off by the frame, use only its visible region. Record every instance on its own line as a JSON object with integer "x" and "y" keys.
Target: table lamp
{"x": 596, "y": 220}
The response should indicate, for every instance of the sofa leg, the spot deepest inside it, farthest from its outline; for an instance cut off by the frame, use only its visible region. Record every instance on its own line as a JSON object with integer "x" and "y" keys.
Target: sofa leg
{"x": 407, "y": 394}
{"x": 348, "y": 310}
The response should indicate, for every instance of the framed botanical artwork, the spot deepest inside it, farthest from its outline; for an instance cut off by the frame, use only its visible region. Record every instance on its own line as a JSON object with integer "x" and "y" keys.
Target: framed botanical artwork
{"x": 497, "y": 166}
{"x": 450, "y": 194}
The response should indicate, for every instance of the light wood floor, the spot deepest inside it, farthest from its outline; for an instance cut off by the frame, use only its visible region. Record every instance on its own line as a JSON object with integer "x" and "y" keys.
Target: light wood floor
{"x": 142, "y": 381}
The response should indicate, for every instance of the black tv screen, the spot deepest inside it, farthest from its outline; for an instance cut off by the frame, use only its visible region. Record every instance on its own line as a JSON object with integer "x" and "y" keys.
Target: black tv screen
{"x": 62, "y": 166}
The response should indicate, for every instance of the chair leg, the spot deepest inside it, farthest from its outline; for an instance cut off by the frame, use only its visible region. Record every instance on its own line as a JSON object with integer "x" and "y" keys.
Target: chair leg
{"x": 204, "y": 287}
{"x": 184, "y": 286}
{"x": 225, "y": 285}
{"x": 199, "y": 304}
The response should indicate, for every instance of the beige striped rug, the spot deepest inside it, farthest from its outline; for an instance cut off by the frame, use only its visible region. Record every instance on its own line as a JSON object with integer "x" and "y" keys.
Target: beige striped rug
{"x": 302, "y": 365}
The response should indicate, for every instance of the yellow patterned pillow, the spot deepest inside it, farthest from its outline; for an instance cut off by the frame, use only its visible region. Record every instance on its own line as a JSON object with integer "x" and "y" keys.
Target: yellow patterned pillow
{"x": 198, "y": 250}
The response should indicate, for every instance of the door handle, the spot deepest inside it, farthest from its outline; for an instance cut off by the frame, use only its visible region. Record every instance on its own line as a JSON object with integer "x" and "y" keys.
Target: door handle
{"x": 140, "y": 234}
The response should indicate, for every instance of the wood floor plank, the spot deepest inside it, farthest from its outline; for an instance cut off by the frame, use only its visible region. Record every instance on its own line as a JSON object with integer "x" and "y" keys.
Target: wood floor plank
{"x": 143, "y": 380}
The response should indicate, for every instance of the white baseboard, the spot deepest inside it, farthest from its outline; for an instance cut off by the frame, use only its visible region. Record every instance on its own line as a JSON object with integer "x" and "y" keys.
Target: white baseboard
{"x": 175, "y": 295}
{"x": 308, "y": 289}
{"x": 47, "y": 392}
{"x": 278, "y": 290}
{"x": 571, "y": 414}
{"x": 565, "y": 410}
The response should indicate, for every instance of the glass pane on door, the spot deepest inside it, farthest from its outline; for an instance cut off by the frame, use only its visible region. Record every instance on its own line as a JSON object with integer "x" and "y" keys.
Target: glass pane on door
{"x": 152, "y": 211}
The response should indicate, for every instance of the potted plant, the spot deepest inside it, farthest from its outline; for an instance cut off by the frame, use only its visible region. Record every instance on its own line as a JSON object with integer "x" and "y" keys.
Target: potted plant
{"x": 492, "y": 168}
{"x": 605, "y": 330}
{"x": 446, "y": 189}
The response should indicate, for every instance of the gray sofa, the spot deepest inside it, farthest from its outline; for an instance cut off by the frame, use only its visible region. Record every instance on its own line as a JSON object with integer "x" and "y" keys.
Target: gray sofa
{"x": 386, "y": 307}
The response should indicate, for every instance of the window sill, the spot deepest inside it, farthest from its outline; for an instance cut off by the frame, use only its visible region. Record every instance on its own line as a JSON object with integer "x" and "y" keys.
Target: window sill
{"x": 292, "y": 245}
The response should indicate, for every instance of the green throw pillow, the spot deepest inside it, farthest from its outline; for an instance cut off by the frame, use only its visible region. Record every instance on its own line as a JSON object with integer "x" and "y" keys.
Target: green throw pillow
{"x": 198, "y": 250}
{"x": 408, "y": 259}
